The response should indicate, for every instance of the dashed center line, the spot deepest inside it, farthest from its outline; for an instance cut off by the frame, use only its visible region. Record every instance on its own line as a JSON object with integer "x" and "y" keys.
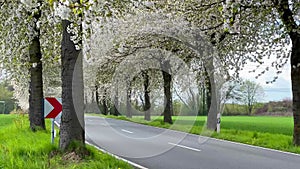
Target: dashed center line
{"x": 126, "y": 131}
{"x": 186, "y": 147}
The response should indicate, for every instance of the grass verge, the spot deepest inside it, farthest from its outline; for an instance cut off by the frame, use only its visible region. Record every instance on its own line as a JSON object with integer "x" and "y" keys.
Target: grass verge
{"x": 268, "y": 132}
{"x": 21, "y": 148}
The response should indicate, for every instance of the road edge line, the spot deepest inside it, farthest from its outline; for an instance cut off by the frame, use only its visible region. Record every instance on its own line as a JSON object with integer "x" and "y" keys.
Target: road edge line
{"x": 242, "y": 144}
{"x": 117, "y": 157}
{"x": 253, "y": 146}
{"x": 104, "y": 151}
{"x": 228, "y": 141}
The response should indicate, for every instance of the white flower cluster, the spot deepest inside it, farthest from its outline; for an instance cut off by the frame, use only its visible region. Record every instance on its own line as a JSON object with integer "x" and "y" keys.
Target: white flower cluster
{"x": 28, "y": 3}
{"x": 21, "y": 93}
{"x": 62, "y": 10}
{"x": 112, "y": 32}
{"x": 74, "y": 31}
{"x": 18, "y": 28}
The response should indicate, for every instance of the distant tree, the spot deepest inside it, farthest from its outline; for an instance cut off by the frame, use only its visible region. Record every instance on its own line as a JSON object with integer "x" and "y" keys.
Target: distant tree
{"x": 7, "y": 103}
{"x": 168, "y": 111}
{"x": 287, "y": 103}
{"x": 248, "y": 93}
{"x": 147, "y": 104}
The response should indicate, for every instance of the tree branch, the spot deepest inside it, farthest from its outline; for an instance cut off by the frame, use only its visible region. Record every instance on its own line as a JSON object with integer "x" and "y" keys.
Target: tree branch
{"x": 256, "y": 6}
{"x": 212, "y": 27}
{"x": 286, "y": 15}
{"x": 210, "y": 5}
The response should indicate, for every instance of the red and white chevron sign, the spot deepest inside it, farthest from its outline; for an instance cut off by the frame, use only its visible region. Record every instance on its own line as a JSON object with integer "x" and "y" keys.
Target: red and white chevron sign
{"x": 52, "y": 107}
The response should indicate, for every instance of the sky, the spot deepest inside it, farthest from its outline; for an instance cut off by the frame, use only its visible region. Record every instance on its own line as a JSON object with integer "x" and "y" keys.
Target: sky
{"x": 277, "y": 91}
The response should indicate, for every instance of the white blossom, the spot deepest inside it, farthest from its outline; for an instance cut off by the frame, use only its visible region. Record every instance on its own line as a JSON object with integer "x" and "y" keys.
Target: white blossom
{"x": 62, "y": 10}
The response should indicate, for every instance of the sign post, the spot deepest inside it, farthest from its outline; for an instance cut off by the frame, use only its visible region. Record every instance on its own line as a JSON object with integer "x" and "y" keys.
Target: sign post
{"x": 52, "y": 131}
{"x": 218, "y": 122}
{"x": 52, "y": 108}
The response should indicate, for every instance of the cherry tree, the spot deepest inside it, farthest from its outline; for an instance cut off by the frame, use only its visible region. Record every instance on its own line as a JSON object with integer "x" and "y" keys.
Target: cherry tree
{"x": 76, "y": 19}
{"x": 288, "y": 13}
{"x": 259, "y": 31}
{"x": 22, "y": 53}
{"x": 151, "y": 8}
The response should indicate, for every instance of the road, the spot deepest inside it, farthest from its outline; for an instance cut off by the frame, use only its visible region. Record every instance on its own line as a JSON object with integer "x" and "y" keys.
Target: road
{"x": 156, "y": 148}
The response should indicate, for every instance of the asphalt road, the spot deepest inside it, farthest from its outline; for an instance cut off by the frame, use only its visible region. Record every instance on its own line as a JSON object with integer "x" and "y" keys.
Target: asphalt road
{"x": 156, "y": 148}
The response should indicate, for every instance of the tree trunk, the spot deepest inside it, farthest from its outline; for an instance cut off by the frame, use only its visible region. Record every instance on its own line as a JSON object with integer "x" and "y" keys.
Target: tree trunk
{"x": 250, "y": 107}
{"x": 208, "y": 89}
{"x": 72, "y": 120}
{"x": 214, "y": 106}
{"x": 168, "y": 111}
{"x": 147, "y": 105}
{"x": 128, "y": 102}
{"x": 203, "y": 102}
{"x": 97, "y": 96}
{"x": 287, "y": 18}
{"x": 295, "y": 76}
{"x": 36, "y": 96}
{"x": 212, "y": 103}
{"x": 36, "y": 115}
{"x": 115, "y": 111}
{"x": 104, "y": 103}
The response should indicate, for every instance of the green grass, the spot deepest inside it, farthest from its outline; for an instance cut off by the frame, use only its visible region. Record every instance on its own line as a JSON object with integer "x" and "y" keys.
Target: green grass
{"x": 6, "y": 120}
{"x": 267, "y": 124}
{"x": 21, "y": 148}
{"x": 264, "y": 131}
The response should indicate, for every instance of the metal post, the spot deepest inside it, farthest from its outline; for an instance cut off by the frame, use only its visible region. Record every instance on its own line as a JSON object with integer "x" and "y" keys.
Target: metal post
{"x": 52, "y": 131}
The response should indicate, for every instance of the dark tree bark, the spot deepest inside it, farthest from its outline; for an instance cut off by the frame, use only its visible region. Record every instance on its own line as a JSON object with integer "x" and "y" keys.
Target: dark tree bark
{"x": 105, "y": 108}
{"x": 115, "y": 106}
{"x": 214, "y": 105}
{"x": 128, "y": 102}
{"x": 97, "y": 95}
{"x": 147, "y": 105}
{"x": 36, "y": 112}
{"x": 168, "y": 111}
{"x": 208, "y": 89}
{"x": 295, "y": 76}
{"x": 286, "y": 16}
{"x": 72, "y": 120}
{"x": 104, "y": 103}
{"x": 204, "y": 108}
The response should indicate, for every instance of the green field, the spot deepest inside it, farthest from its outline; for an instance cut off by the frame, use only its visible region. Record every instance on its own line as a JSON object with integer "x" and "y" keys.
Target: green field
{"x": 265, "y": 131}
{"x": 22, "y": 149}
{"x": 266, "y": 124}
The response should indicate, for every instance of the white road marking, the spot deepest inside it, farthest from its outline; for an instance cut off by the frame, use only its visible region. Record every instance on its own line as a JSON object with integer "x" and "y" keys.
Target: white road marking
{"x": 126, "y": 131}
{"x": 220, "y": 140}
{"x": 117, "y": 157}
{"x": 252, "y": 146}
{"x": 190, "y": 148}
